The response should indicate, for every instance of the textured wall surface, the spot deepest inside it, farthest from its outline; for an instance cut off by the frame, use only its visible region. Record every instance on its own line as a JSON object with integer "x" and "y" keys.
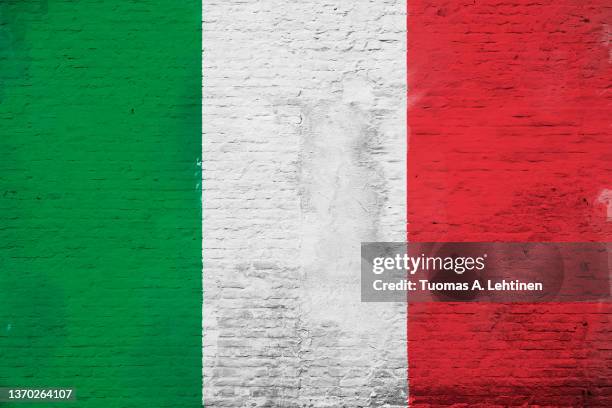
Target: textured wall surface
{"x": 100, "y": 257}
{"x": 509, "y": 141}
{"x": 304, "y": 140}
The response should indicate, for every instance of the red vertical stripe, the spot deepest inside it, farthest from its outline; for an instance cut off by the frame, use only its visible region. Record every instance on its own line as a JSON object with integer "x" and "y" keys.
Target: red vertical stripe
{"x": 509, "y": 140}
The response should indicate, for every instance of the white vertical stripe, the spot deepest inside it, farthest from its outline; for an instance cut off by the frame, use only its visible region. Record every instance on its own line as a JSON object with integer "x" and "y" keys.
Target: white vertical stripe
{"x": 304, "y": 157}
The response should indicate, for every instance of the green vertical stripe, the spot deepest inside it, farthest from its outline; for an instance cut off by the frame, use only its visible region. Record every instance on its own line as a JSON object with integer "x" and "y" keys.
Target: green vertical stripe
{"x": 100, "y": 211}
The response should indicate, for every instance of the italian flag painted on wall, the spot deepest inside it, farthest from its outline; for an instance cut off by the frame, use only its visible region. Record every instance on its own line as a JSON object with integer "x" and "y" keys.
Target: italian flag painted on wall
{"x": 141, "y": 272}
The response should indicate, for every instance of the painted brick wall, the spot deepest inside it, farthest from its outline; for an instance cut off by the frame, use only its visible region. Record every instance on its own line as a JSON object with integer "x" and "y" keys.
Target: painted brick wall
{"x": 509, "y": 141}
{"x": 304, "y": 147}
{"x": 100, "y": 268}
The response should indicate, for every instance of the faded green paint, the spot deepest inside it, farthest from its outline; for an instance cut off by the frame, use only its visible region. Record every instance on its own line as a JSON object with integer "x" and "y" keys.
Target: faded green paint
{"x": 100, "y": 214}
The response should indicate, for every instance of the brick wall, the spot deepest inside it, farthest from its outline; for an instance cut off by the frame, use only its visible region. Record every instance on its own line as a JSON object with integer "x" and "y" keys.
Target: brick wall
{"x": 509, "y": 141}
{"x": 100, "y": 268}
{"x": 305, "y": 156}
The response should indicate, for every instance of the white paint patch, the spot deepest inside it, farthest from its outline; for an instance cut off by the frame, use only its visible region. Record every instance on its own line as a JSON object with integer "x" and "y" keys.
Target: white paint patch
{"x": 605, "y": 197}
{"x": 607, "y": 40}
